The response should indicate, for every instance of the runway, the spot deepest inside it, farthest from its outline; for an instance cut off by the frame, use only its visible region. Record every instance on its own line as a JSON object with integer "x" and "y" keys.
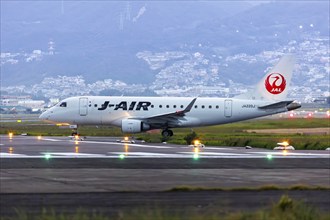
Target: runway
{"x": 105, "y": 147}
{"x": 104, "y": 152}
{"x": 71, "y": 172}
{"x": 54, "y": 162}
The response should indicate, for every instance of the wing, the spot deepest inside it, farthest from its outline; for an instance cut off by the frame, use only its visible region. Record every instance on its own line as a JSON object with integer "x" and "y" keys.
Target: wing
{"x": 169, "y": 119}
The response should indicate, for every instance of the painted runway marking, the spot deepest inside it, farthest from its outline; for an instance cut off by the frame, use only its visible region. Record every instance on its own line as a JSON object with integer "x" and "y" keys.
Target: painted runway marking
{"x": 292, "y": 154}
{"x": 50, "y": 139}
{"x": 4, "y": 155}
{"x": 123, "y": 144}
{"x": 69, "y": 154}
{"x": 108, "y": 143}
{"x": 220, "y": 148}
{"x": 212, "y": 153}
{"x": 137, "y": 153}
{"x": 145, "y": 154}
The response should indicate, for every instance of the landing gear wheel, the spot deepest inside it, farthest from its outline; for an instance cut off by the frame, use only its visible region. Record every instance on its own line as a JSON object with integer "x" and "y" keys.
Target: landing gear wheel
{"x": 167, "y": 133}
{"x": 74, "y": 133}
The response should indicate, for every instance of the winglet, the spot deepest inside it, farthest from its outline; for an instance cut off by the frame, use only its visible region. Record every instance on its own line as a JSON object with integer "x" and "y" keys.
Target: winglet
{"x": 187, "y": 109}
{"x": 191, "y": 104}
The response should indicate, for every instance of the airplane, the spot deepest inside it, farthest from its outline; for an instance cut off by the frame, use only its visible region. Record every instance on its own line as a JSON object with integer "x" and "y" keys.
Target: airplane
{"x": 140, "y": 114}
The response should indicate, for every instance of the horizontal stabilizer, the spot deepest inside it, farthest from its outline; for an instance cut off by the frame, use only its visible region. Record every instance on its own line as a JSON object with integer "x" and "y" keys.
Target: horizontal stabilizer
{"x": 290, "y": 105}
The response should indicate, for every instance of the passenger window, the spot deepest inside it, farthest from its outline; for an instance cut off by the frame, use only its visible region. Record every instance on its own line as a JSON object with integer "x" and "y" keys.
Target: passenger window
{"x": 63, "y": 104}
{"x": 181, "y": 106}
{"x": 195, "y": 106}
{"x": 210, "y": 106}
{"x": 217, "y": 106}
{"x": 203, "y": 106}
{"x": 167, "y": 106}
{"x": 174, "y": 106}
{"x": 160, "y": 106}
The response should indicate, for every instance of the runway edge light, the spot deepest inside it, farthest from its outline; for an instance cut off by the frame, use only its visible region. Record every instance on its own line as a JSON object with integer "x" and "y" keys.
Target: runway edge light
{"x": 196, "y": 153}
{"x": 196, "y": 156}
{"x": 48, "y": 156}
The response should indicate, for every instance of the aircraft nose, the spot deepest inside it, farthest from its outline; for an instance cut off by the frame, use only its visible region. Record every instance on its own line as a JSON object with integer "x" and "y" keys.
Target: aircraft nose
{"x": 44, "y": 115}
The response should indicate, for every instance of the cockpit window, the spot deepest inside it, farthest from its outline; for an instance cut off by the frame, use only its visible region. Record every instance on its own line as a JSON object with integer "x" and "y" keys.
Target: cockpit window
{"x": 63, "y": 104}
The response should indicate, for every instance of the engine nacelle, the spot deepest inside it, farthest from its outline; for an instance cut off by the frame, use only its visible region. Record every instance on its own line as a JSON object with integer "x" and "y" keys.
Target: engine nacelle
{"x": 133, "y": 126}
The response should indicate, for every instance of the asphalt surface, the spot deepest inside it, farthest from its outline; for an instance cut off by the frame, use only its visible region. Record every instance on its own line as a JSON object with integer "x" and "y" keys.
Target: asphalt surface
{"x": 102, "y": 174}
{"x": 106, "y": 147}
{"x": 172, "y": 203}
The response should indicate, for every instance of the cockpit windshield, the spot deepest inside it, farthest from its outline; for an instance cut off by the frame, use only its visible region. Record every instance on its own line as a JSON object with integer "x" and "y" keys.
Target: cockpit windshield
{"x": 63, "y": 104}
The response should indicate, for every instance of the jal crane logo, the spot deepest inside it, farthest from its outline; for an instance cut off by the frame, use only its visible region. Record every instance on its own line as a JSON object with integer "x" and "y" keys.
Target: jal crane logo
{"x": 275, "y": 83}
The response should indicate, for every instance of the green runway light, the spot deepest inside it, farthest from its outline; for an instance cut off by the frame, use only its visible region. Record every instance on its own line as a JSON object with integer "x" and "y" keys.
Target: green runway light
{"x": 47, "y": 156}
{"x": 121, "y": 156}
{"x": 269, "y": 156}
{"x": 196, "y": 156}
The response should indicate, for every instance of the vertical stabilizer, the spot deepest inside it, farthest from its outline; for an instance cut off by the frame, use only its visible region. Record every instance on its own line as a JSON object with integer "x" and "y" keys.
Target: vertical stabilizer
{"x": 274, "y": 85}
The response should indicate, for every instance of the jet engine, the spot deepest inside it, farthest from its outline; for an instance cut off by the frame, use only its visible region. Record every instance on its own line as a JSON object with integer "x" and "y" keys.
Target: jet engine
{"x": 133, "y": 126}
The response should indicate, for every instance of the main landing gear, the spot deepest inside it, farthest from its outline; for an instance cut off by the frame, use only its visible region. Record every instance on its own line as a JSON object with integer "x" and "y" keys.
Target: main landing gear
{"x": 167, "y": 133}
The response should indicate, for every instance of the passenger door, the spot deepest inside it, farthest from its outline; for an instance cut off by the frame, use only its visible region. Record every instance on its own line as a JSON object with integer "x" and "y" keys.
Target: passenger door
{"x": 228, "y": 108}
{"x": 83, "y": 106}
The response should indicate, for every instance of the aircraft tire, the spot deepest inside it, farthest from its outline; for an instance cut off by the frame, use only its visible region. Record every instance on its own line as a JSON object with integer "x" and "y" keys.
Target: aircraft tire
{"x": 167, "y": 133}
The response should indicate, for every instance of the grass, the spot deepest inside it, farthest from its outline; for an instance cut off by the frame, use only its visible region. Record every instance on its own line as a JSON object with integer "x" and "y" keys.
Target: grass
{"x": 222, "y": 135}
{"x": 235, "y": 135}
{"x": 285, "y": 209}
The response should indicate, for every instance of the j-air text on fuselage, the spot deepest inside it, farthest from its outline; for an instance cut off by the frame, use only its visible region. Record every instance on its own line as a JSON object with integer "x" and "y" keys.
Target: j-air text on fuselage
{"x": 139, "y": 114}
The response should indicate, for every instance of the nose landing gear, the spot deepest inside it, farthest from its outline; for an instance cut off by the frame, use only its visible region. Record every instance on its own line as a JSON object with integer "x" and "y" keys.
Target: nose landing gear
{"x": 74, "y": 131}
{"x": 75, "y": 134}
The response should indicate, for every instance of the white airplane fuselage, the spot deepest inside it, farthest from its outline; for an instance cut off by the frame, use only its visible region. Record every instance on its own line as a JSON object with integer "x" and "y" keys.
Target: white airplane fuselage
{"x": 91, "y": 110}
